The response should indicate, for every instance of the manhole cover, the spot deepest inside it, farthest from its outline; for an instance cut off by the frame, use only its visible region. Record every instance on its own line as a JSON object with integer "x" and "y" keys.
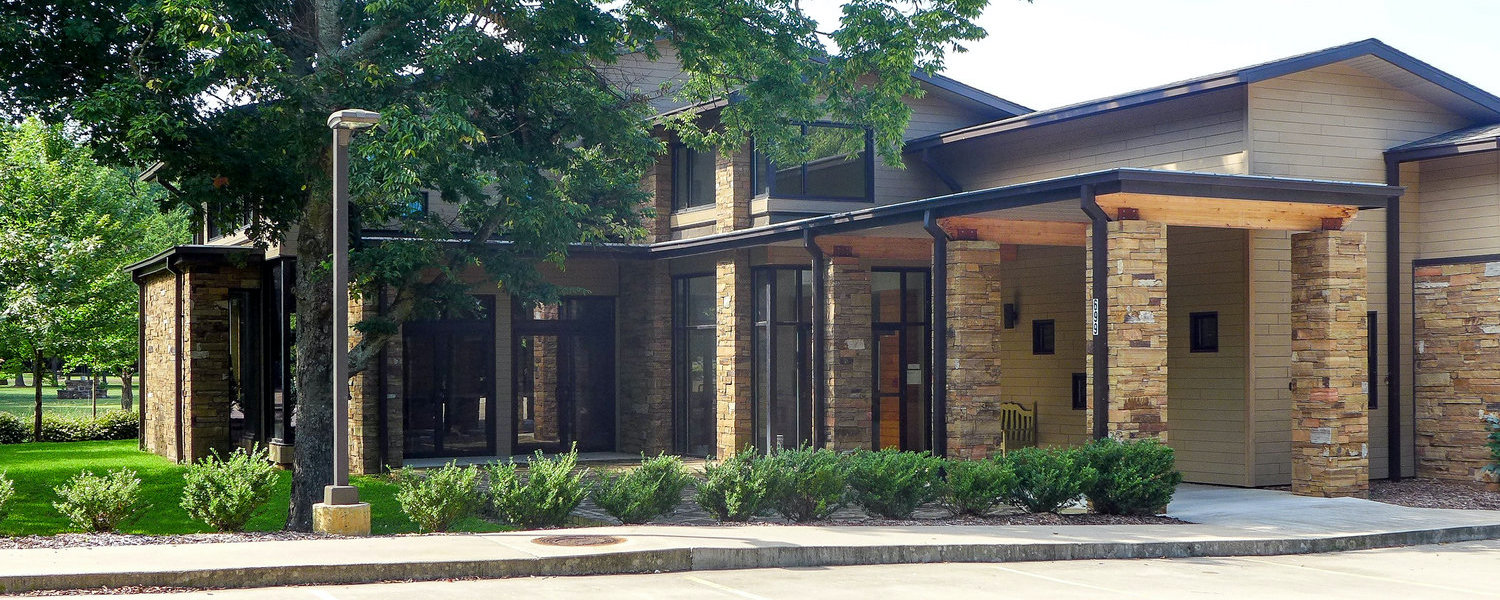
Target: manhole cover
{"x": 578, "y": 540}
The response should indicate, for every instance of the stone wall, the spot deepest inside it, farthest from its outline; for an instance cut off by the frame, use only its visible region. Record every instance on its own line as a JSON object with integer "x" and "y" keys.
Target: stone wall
{"x": 364, "y": 396}
{"x": 1457, "y": 337}
{"x": 658, "y": 183}
{"x": 206, "y": 376}
{"x": 732, "y": 191}
{"x": 975, "y": 317}
{"x": 849, "y": 355}
{"x": 1330, "y": 421}
{"x": 159, "y": 373}
{"x": 733, "y": 356}
{"x": 645, "y": 358}
{"x": 395, "y": 401}
{"x": 1137, "y": 326}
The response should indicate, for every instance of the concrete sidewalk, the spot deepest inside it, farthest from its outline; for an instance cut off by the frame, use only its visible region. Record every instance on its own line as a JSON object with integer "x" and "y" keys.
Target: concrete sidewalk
{"x": 1227, "y": 522}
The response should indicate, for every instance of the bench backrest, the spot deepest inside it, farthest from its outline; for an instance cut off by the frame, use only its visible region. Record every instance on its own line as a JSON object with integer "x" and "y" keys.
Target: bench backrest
{"x": 1019, "y": 424}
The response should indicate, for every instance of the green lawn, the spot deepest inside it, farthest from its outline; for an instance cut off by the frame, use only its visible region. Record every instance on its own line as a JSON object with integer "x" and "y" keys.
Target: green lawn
{"x": 36, "y": 468}
{"x": 20, "y": 401}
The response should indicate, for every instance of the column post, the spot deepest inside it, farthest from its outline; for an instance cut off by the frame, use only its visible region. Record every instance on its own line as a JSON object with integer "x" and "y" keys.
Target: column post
{"x": 733, "y": 357}
{"x": 1135, "y": 315}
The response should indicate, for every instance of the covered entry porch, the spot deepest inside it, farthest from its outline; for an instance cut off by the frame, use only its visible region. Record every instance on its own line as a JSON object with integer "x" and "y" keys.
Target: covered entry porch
{"x": 1014, "y": 317}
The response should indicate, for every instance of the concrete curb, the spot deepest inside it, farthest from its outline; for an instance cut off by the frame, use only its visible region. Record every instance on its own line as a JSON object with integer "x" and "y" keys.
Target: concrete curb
{"x": 706, "y": 559}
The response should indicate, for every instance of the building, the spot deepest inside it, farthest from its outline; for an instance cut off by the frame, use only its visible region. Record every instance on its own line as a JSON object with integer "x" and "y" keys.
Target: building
{"x": 1300, "y": 259}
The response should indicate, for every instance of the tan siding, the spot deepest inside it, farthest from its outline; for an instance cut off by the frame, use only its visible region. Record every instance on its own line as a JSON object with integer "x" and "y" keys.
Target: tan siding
{"x": 635, "y": 73}
{"x": 1206, "y": 414}
{"x": 1460, "y": 206}
{"x": 1271, "y": 330}
{"x": 1204, "y": 133}
{"x": 1046, "y": 283}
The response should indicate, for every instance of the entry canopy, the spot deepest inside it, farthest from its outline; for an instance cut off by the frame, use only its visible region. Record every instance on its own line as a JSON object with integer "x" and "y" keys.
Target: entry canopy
{"x": 1171, "y": 197}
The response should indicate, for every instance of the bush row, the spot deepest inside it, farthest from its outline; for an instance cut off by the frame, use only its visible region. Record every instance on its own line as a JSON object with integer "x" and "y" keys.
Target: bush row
{"x": 112, "y": 425}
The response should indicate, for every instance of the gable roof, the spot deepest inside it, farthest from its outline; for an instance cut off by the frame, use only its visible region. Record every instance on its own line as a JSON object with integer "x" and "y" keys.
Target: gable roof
{"x": 1479, "y": 102}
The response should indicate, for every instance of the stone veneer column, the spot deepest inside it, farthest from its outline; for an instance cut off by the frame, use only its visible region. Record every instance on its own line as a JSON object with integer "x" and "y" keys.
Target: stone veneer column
{"x": 395, "y": 401}
{"x": 646, "y": 364}
{"x": 974, "y": 321}
{"x": 658, "y": 183}
{"x": 205, "y": 369}
{"x": 364, "y": 396}
{"x": 849, "y": 354}
{"x": 1456, "y": 317}
{"x": 158, "y": 398}
{"x": 733, "y": 353}
{"x": 1137, "y": 334}
{"x": 732, "y": 191}
{"x": 1330, "y": 428}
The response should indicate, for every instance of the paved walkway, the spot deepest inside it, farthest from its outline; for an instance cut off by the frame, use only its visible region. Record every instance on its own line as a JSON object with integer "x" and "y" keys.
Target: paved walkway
{"x": 1227, "y": 522}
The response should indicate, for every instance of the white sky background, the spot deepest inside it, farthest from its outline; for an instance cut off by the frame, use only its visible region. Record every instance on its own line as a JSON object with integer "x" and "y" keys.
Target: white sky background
{"x": 1057, "y": 52}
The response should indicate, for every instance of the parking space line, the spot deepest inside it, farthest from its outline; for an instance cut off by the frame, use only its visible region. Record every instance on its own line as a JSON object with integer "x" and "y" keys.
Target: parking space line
{"x": 1363, "y": 576}
{"x": 724, "y": 588}
{"x": 1065, "y": 582}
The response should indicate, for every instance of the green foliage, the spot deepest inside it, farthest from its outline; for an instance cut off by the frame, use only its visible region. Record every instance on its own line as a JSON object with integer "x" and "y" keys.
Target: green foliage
{"x": 226, "y": 493}
{"x": 1133, "y": 478}
{"x": 546, "y": 498}
{"x": 438, "y": 499}
{"x": 1049, "y": 478}
{"x": 12, "y": 429}
{"x": 1492, "y": 424}
{"x": 113, "y": 425}
{"x": 807, "y": 484}
{"x": 890, "y": 483}
{"x": 645, "y": 492}
{"x": 736, "y": 488}
{"x": 100, "y": 503}
{"x": 7, "y": 491}
{"x": 974, "y": 487}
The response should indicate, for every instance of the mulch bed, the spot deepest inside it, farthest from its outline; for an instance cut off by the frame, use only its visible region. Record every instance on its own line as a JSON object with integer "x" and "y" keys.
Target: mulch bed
{"x": 85, "y": 540}
{"x": 1434, "y": 493}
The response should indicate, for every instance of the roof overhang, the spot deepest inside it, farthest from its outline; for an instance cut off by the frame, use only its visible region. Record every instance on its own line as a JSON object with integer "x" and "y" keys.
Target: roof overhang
{"x": 194, "y": 255}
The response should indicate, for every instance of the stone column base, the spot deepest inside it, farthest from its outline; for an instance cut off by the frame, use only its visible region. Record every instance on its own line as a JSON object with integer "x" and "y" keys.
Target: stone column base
{"x": 342, "y": 519}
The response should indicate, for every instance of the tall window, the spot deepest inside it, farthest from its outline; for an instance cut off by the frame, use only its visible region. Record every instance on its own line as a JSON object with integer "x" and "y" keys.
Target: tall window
{"x": 693, "y": 347}
{"x": 899, "y": 303}
{"x": 692, "y": 177}
{"x": 841, "y": 167}
{"x": 782, "y": 339}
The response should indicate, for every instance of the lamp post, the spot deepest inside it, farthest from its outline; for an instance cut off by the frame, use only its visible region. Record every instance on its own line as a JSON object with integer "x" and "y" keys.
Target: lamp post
{"x": 341, "y": 511}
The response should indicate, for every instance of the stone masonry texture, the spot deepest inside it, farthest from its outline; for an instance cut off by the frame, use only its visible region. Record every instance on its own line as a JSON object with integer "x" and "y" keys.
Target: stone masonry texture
{"x": 1457, "y": 338}
{"x": 732, "y": 191}
{"x": 1137, "y": 326}
{"x": 849, "y": 354}
{"x": 1330, "y": 421}
{"x": 645, "y": 367}
{"x": 975, "y": 306}
{"x": 205, "y": 376}
{"x": 733, "y": 352}
{"x": 158, "y": 376}
{"x": 364, "y": 396}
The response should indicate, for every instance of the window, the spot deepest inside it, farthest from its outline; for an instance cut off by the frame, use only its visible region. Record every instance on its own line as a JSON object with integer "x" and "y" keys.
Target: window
{"x": 841, "y": 167}
{"x": 1043, "y": 336}
{"x": 419, "y": 203}
{"x": 693, "y": 363}
{"x": 692, "y": 177}
{"x": 782, "y": 366}
{"x": 900, "y": 303}
{"x": 1204, "y": 331}
{"x": 1080, "y": 391}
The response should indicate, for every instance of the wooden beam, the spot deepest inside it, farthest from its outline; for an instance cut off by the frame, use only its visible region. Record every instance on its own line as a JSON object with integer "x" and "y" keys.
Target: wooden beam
{"x": 1221, "y": 212}
{"x": 1016, "y": 232}
{"x": 895, "y": 248}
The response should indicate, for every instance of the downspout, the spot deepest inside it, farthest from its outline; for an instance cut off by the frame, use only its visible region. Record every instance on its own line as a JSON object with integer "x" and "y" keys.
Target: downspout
{"x": 819, "y": 319}
{"x": 1392, "y": 322}
{"x": 177, "y": 354}
{"x": 1099, "y": 255}
{"x": 942, "y": 175}
{"x": 939, "y": 320}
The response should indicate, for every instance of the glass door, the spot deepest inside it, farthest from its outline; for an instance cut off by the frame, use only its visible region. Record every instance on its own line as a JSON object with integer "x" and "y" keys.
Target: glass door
{"x": 448, "y": 386}
{"x": 901, "y": 407}
{"x": 564, "y": 376}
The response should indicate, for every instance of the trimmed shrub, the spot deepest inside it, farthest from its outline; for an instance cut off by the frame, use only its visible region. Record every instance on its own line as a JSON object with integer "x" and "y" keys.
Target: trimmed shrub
{"x": 226, "y": 493}
{"x": 100, "y": 503}
{"x": 13, "y": 430}
{"x": 546, "y": 498}
{"x": 1133, "y": 478}
{"x": 891, "y": 484}
{"x": 974, "y": 487}
{"x": 645, "y": 492}
{"x": 438, "y": 499}
{"x": 1049, "y": 478}
{"x": 736, "y": 488}
{"x": 1492, "y": 423}
{"x": 112, "y": 425}
{"x": 807, "y": 484}
{"x": 7, "y": 491}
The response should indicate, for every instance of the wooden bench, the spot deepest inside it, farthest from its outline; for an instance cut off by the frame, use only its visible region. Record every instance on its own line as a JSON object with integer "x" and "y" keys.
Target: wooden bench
{"x": 1017, "y": 426}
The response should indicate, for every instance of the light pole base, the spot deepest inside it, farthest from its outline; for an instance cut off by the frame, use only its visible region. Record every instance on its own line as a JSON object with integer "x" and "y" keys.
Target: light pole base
{"x": 342, "y": 519}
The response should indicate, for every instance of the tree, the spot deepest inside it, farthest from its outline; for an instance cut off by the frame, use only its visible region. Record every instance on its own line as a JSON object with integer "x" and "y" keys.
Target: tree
{"x": 505, "y": 106}
{"x": 67, "y": 227}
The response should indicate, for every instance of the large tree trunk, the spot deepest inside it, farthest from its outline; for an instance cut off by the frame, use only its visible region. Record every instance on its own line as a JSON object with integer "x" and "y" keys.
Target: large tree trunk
{"x": 36, "y": 380}
{"x": 127, "y": 396}
{"x": 20, "y": 379}
{"x": 313, "y": 464}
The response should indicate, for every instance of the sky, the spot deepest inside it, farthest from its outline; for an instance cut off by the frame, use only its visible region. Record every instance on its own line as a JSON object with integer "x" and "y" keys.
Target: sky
{"x": 1055, "y": 52}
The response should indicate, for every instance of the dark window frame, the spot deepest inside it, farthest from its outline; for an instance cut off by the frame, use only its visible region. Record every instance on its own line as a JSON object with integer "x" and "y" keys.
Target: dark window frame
{"x": 1080, "y": 391}
{"x": 902, "y": 324}
{"x": 1043, "y": 337}
{"x": 769, "y": 328}
{"x": 763, "y": 185}
{"x": 681, "y": 376}
{"x": 682, "y": 171}
{"x": 1372, "y": 360}
{"x": 1197, "y": 321}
